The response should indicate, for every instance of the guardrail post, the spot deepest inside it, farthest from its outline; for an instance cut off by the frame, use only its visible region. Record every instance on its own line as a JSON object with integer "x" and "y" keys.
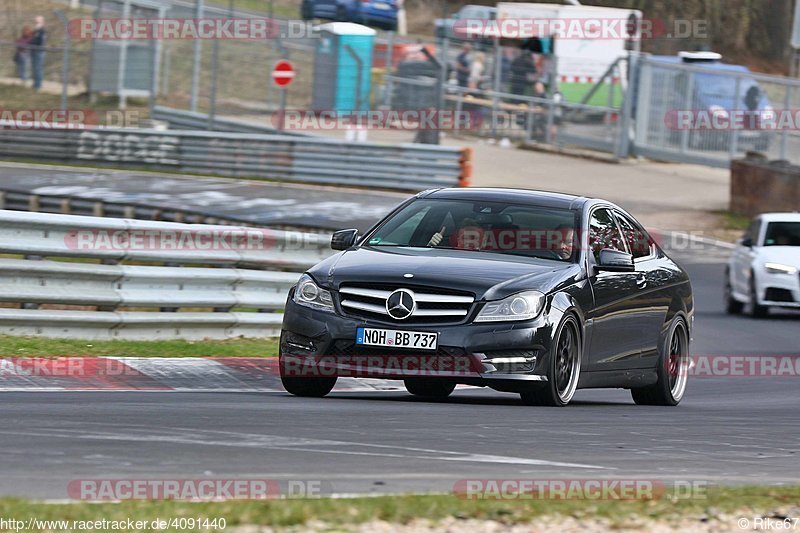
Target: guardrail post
{"x": 625, "y": 121}
{"x": 733, "y": 148}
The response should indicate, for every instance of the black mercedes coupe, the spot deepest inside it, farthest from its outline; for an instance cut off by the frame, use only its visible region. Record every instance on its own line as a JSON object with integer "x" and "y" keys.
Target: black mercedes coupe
{"x": 528, "y": 292}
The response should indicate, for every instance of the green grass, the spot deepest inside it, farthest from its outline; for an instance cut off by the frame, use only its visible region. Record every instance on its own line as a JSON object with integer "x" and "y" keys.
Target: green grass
{"x": 752, "y": 500}
{"x": 733, "y": 221}
{"x": 42, "y": 347}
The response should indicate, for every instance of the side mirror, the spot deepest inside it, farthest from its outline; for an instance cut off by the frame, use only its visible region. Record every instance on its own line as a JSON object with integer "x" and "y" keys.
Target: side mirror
{"x": 746, "y": 241}
{"x": 615, "y": 261}
{"x": 344, "y": 239}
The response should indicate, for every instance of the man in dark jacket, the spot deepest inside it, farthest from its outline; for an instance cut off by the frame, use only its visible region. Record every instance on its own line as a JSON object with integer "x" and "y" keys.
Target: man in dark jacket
{"x": 523, "y": 71}
{"x": 463, "y": 62}
{"x": 37, "y": 44}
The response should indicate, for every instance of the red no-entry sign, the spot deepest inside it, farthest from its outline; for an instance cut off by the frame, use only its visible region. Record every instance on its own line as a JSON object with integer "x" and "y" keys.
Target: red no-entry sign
{"x": 283, "y": 73}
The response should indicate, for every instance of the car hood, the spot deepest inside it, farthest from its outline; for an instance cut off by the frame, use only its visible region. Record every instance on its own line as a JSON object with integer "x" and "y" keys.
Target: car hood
{"x": 787, "y": 255}
{"x": 486, "y": 275}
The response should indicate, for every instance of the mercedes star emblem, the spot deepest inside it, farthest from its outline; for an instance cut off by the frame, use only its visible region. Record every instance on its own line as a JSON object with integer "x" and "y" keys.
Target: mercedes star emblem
{"x": 400, "y": 304}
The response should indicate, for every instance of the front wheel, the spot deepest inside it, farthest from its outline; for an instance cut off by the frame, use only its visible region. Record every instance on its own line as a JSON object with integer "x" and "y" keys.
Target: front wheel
{"x": 673, "y": 370}
{"x": 563, "y": 369}
{"x": 732, "y": 305}
{"x": 309, "y": 387}
{"x": 757, "y": 310}
{"x": 430, "y": 388}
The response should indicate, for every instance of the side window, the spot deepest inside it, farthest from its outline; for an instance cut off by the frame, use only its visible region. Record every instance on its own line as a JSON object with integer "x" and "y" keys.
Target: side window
{"x": 603, "y": 233}
{"x": 753, "y": 231}
{"x": 639, "y": 242}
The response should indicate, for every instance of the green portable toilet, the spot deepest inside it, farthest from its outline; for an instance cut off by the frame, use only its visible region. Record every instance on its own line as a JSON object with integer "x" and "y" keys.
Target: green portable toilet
{"x": 343, "y": 67}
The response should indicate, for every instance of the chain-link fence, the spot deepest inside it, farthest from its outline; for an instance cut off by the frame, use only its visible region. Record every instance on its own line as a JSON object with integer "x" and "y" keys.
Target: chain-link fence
{"x": 711, "y": 114}
{"x": 652, "y": 106}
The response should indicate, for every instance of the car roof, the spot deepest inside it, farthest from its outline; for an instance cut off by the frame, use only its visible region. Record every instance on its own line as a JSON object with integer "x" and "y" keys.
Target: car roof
{"x": 498, "y": 194}
{"x": 780, "y": 217}
{"x": 714, "y": 65}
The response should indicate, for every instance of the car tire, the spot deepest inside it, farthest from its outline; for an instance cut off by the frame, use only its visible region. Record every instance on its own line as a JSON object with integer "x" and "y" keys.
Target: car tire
{"x": 758, "y": 311}
{"x": 308, "y": 387}
{"x": 563, "y": 368}
{"x": 672, "y": 369}
{"x": 430, "y": 388}
{"x": 732, "y": 305}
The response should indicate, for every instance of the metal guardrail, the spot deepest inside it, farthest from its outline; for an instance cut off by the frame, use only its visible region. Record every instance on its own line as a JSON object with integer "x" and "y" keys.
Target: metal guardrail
{"x": 180, "y": 119}
{"x": 231, "y": 280}
{"x": 276, "y": 157}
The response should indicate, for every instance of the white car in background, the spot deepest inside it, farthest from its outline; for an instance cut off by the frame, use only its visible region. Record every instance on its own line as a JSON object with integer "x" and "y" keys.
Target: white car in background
{"x": 764, "y": 269}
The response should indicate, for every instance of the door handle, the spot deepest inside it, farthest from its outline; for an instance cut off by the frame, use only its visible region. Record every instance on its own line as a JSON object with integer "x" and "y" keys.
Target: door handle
{"x": 641, "y": 280}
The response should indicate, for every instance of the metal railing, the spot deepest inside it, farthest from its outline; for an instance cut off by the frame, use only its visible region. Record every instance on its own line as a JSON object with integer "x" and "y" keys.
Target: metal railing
{"x": 278, "y": 157}
{"x": 188, "y": 120}
{"x": 171, "y": 292}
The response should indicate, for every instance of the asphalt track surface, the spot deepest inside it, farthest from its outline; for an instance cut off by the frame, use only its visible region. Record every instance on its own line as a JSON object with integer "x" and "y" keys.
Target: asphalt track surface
{"x": 251, "y": 202}
{"x": 727, "y": 430}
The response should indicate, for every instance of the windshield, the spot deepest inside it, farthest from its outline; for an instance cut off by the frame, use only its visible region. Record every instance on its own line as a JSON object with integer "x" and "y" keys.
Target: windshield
{"x": 481, "y": 226}
{"x": 782, "y": 234}
{"x": 724, "y": 87}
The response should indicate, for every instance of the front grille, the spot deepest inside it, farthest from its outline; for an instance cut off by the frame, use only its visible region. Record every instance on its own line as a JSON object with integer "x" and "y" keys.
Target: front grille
{"x": 778, "y": 295}
{"x": 433, "y": 305}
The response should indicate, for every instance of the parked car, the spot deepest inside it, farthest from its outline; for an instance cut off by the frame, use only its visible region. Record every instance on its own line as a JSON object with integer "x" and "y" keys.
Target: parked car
{"x": 715, "y": 93}
{"x": 378, "y": 13}
{"x": 539, "y": 293}
{"x": 446, "y": 28}
{"x": 763, "y": 269}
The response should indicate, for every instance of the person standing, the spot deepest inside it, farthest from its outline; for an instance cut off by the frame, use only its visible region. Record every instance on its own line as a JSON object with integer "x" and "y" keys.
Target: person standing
{"x": 463, "y": 63}
{"x": 22, "y": 54}
{"x": 523, "y": 71}
{"x": 37, "y": 45}
{"x": 476, "y": 70}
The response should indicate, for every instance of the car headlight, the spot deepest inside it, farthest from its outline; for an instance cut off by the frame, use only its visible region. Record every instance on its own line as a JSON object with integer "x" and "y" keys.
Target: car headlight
{"x": 309, "y": 294}
{"x": 777, "y": 268}
{"x": 522, "y": 306}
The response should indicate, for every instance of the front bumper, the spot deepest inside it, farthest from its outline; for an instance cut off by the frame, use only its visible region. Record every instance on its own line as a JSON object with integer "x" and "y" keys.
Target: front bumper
{"x": 778, "y": 290}
{"x": 500, "y": 355}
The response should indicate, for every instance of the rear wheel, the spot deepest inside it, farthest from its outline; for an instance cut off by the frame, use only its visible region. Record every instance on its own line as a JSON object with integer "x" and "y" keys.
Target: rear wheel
{"x": 758, "y": 311}
{"x": 673, "y": 370}
{"x": 732, "y": 305}
{"x": 564, "y": 369}
{"x": 430, "y": 388}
